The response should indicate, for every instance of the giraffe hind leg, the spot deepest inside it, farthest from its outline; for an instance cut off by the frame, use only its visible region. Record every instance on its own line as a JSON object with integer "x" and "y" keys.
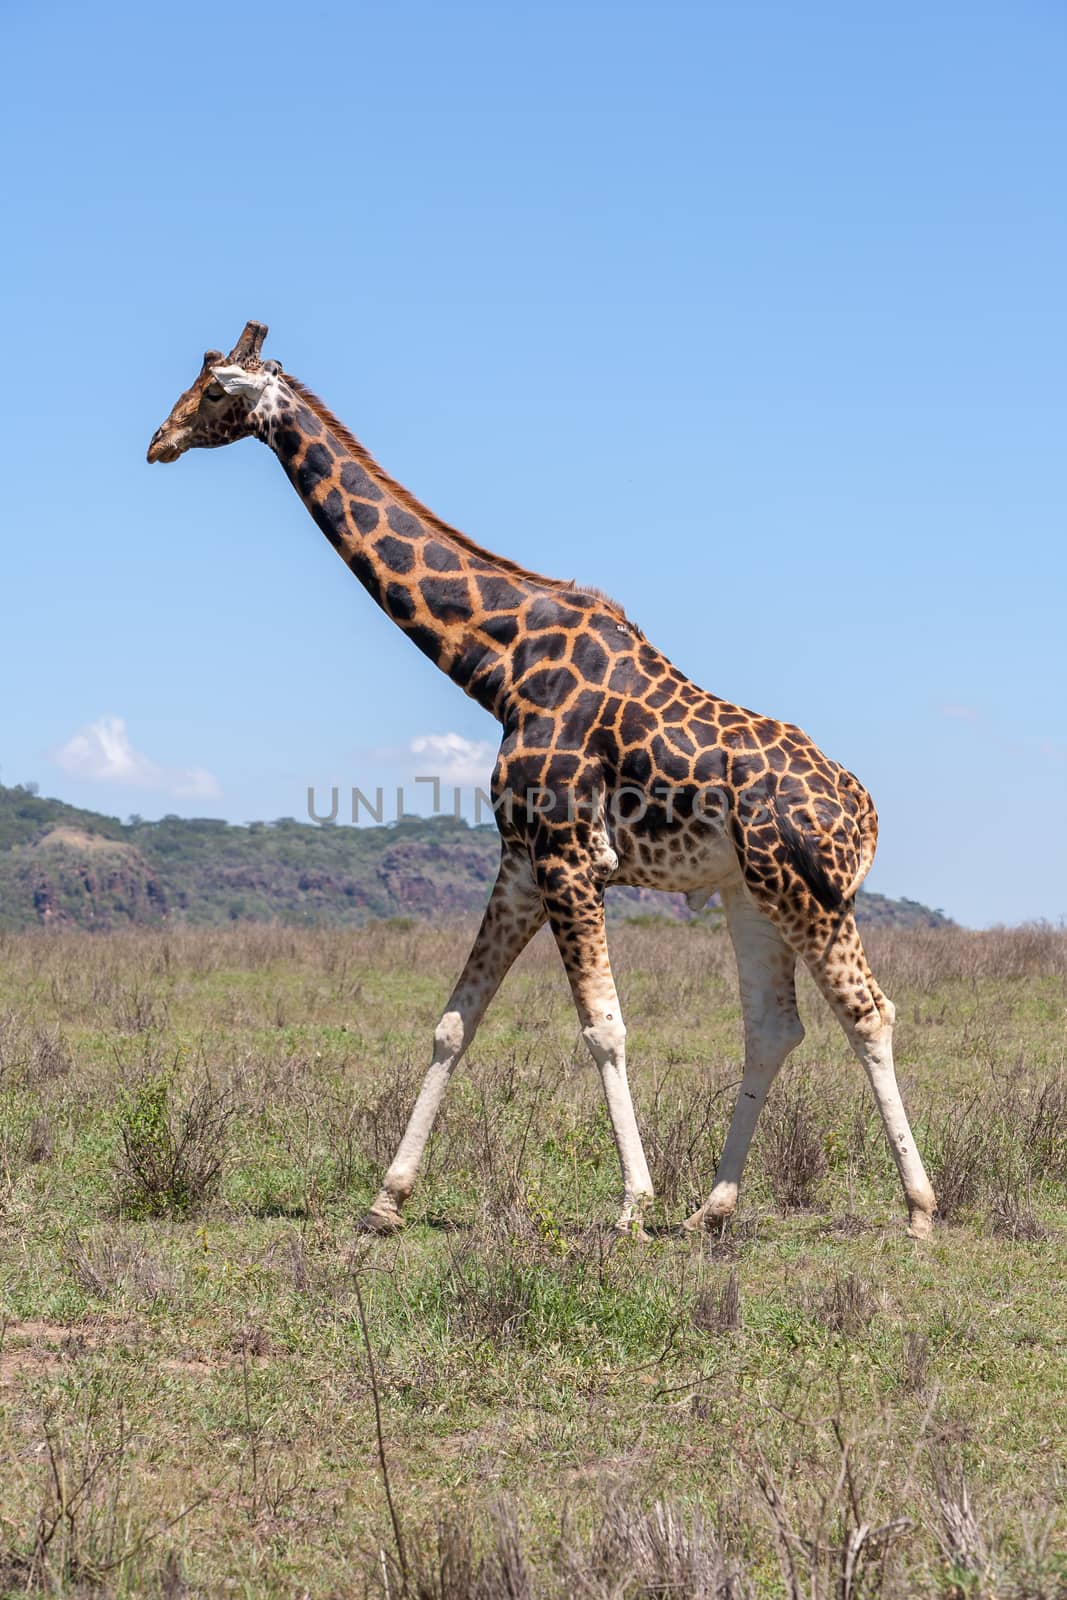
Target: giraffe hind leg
{"x": 841, "y": 970}
{"x": 766, "y": 972}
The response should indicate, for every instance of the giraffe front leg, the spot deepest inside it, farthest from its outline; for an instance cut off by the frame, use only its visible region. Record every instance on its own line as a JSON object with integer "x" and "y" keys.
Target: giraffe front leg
{"x": 511, "y": 919}
{"x": 575, "y": 906}
{"x": 451, "y": 1037}
{"x": 605, "y": 1034}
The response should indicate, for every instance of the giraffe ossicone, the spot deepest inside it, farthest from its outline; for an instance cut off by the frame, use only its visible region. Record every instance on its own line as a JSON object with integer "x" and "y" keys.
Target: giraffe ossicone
{"x": 640, "y": 776}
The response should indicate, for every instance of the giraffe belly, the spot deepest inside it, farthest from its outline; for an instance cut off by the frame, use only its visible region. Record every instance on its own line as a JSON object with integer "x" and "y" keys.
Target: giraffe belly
{"x": 686, "y": 860}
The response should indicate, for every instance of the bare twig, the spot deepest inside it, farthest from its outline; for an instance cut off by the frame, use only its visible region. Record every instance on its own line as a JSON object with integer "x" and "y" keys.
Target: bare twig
{"x": 383, "y": 1460}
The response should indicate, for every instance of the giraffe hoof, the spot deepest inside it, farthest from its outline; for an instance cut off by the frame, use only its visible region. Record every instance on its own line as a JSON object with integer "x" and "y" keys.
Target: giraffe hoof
{"x": 632, "y": 1230}
{"x": 382, "y": 1218}
{"x": 920, "y": 1225}
{"x": 707, "y": 1219}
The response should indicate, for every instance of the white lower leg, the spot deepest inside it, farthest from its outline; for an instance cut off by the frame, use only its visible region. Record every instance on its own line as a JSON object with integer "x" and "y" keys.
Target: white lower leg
{"x": 755, "y": 1087}
{"x": 876, "y": 1053}
{"x": 450, "y": 1039}
{"x": 607, "y": 1042}
{"x": 772, "y": 1028}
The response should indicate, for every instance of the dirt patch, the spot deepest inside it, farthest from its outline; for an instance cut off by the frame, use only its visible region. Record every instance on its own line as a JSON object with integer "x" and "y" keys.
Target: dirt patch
{"x": 199, "y": 1364}
{"x": 28, "y": 1348}
{"x": 37, "y": 1345}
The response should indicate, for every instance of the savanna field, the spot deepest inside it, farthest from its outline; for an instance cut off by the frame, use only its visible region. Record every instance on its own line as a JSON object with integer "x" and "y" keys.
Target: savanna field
{"x": 195, "y": 1342}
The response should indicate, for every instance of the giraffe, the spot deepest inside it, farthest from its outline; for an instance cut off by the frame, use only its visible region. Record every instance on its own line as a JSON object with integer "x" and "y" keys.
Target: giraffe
{"x": 613, "y": 768}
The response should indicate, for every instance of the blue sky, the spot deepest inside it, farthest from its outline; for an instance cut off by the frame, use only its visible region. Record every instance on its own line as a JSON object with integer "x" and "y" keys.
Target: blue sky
{"x": 751, "y": 314}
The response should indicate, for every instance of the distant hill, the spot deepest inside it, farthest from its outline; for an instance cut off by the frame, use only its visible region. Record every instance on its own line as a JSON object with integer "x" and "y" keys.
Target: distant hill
{"x": 61, "y": 866}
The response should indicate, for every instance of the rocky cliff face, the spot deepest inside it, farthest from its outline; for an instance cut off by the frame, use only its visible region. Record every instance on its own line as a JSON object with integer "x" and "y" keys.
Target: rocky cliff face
{"x": 73, "y": 878}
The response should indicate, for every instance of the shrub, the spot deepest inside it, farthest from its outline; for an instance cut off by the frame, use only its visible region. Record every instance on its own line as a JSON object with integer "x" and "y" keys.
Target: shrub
{"x": 846, "y": 1306}
{"x": 721, "y": 1312}
{"x": 794, "y": 1150}
{"x": 172, "y": 1152}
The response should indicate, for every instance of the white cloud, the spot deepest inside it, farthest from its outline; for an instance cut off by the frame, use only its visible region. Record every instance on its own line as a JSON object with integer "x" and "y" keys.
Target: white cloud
{"x": 964, "y": 713}
{"x": 454, "y": 759}
{"x": 102, "y": 751}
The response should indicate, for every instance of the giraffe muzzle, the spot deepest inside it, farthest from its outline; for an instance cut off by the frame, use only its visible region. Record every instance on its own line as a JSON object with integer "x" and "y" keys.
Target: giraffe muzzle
{"x": 161, "y": 449}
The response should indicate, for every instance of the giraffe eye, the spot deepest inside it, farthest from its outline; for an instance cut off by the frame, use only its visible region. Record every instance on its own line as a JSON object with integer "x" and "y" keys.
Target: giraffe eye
{"x": 214, "y": 391}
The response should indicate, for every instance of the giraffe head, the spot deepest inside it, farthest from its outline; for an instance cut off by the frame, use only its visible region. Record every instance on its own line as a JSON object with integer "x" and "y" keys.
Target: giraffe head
{"x": 217, "y": 408}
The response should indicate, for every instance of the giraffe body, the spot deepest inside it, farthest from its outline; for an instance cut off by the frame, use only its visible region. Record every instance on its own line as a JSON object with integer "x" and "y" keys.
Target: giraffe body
{"x": 613, "y": 768}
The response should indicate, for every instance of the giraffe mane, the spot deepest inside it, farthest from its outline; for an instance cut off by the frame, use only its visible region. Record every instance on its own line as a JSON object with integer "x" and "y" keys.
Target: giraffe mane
{"x": 411, "y": 503}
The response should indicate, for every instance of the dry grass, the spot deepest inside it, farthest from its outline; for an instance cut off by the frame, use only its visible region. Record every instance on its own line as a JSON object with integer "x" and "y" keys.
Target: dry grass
{"x": 191, "y": 1122}
{"x": 793, "y": 1145}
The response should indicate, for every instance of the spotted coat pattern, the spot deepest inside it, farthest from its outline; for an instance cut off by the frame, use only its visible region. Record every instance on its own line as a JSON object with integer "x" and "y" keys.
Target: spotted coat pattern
{"x": 613, "y": 768}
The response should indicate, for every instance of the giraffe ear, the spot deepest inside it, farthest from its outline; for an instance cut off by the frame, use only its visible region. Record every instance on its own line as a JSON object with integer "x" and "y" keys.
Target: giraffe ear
{"x": 238, "y": 380}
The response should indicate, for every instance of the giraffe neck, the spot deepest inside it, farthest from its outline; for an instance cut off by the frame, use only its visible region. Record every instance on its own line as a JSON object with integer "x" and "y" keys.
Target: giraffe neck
{"x": 459, "y": 605}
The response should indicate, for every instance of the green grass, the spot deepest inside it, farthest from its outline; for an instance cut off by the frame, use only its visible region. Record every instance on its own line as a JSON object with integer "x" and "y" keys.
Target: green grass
{"x": 184, "y": 1396}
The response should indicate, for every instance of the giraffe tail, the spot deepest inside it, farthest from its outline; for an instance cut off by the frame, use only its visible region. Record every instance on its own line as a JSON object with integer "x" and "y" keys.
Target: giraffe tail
{"x": 867, "y": 825}
{"x": 804, "y": 857}
{"x": 827, "y": 883}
